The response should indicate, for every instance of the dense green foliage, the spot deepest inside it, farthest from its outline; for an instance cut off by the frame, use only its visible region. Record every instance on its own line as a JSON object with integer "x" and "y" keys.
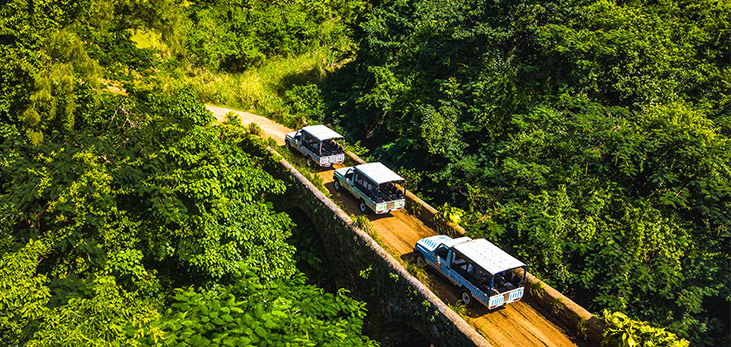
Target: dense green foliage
{"x": 119, "y": 211}
{"x": 249, "y": 313}
{"x": 144, "y": 200}
{"x": 589, "y": 138}
{"x": 625, "y": 332}
{"x": 251, "y": 55}
{"x": 235, "y": 35}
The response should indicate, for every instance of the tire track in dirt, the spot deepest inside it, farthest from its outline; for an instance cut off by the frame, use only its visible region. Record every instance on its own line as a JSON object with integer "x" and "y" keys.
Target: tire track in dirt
{"x": 516, "y": 324}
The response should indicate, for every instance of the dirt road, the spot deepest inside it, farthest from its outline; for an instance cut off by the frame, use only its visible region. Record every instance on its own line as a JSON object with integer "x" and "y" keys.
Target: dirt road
{"x": 516, "y": 324}
{"x": 268, "y": 126}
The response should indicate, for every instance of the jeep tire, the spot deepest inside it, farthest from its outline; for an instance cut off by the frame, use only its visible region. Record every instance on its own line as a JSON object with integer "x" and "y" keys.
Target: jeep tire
{"x": 466, "y": 297}
{"x": 420, "y": 261}
{"x": 362, "y": 206}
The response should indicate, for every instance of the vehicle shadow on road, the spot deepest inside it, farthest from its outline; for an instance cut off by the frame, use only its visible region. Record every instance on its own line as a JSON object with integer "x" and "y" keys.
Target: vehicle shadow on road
{"x": 409, "y": 257}
{"x": 478, "y": 310}
{"x": 372, "y": 216}
{"x": 348, "y": 203}
{"x": 447, "y": 292}
{"x": 331, "y": 188}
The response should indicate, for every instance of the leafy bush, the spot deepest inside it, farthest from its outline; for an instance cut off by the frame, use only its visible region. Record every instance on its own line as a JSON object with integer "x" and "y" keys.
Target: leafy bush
{"x": 152, "y": 201}
{"x": 236, "y": 35}
{"x": 363, "y": 223}
{"x": 625, "y": 332}
{"x": 306, "y": 101}
{"x": 252, "y": 313}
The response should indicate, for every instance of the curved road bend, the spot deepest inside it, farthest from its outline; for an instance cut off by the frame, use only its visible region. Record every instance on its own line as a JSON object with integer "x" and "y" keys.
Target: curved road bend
{"x": 516, "y": 324}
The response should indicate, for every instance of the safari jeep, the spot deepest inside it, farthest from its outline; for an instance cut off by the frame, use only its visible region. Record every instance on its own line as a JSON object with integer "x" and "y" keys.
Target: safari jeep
{"x": 480, "y": 269}
{"x": 374, "y": 185}
{"x": 319, "y": 144}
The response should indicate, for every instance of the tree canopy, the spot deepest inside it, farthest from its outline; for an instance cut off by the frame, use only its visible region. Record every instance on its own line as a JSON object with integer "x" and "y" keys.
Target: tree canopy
{"x": 589, "y": 138}
{"x": 119, "y": 212}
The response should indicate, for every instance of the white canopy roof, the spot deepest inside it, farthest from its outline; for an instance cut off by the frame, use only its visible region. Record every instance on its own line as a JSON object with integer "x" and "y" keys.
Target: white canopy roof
{"x": 379, "y": 173}
{"x": 488, "y": 256}
{"x": 321, "y": 132}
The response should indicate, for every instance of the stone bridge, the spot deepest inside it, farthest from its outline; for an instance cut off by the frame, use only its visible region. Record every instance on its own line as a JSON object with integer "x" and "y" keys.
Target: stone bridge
{"x": 394, "y": 297}
{"x": 396, "y": 300}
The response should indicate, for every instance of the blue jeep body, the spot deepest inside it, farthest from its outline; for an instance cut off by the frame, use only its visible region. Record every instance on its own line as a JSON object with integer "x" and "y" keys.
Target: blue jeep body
{"x": 478, "y": 267}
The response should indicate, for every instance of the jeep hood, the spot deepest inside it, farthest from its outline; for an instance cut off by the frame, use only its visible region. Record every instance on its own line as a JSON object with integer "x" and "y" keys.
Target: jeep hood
{"x": 432, "y": 242}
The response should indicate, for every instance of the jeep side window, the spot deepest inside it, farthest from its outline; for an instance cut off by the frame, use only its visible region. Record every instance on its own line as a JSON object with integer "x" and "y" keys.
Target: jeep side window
{"x": 442, "y": 251}
{"x": 458, "y": 260}
{"x": 364, "y": 185}
{"x": 357, "y": 180}
{"x": 463, "y": 266}
{"x": 483, "y": 279}
{"x": 310, "y": 142}
{"x": 369, "y": 189}
{"x": 349, "y": 174}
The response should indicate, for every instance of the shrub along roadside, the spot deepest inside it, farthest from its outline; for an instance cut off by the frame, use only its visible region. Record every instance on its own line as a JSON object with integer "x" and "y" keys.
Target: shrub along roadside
{"x": 626, "y": 332}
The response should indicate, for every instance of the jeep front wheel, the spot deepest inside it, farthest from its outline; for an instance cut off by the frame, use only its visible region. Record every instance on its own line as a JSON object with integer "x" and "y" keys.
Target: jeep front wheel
{"x": 336, "y": 184}
{"x": 420, "y": 261}
{"x": 466, "y": 297}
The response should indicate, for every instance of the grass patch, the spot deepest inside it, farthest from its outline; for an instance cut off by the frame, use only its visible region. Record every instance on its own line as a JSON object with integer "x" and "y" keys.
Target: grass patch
{"x": 414, "y": 209}
{"x": 258, "y": 90}
{"x": 534, "y": 289}
{"x": 557, "y": 305}
{"x": 459, "y": 308}
{"x": 364, "y": 224}
{"x": 418, "y": 272}
{"x": 255, "y": 129}
{"x": 583, "y": 326}
{"x": 148, "y": 39}
{"x": 300, "y": 164}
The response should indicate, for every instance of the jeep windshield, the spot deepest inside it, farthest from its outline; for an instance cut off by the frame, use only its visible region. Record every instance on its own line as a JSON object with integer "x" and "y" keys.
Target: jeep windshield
{"x": 324, "y": 140}
{"x": 389, "y": 186}
{"x": 332, "y": 147}
{"x": 391, "y": 191}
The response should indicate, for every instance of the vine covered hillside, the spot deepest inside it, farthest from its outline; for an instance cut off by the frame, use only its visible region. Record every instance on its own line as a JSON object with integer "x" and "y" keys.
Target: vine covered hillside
{"x": 588, "y": 138}
{"x": 132, "y": 219}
